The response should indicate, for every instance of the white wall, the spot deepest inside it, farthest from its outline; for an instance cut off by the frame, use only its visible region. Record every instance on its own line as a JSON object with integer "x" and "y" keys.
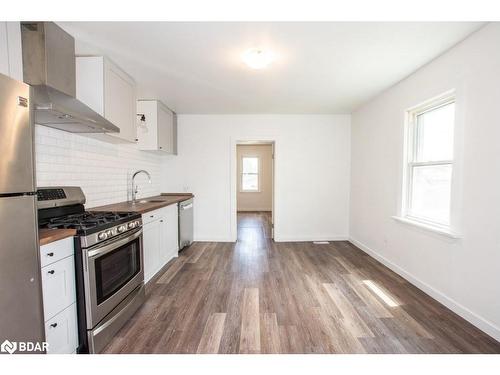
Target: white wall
{"x": 102, "y": 170}
{"x": 261, "y": 200}
{"x": 463, "y": 274}
{"x": 312, "y": 155}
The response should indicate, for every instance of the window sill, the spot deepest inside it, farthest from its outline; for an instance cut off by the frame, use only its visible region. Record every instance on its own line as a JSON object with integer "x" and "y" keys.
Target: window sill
{"x": 441, "y": 231}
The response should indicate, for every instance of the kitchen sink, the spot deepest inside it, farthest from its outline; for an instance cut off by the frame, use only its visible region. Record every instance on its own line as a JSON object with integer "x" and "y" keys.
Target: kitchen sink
{"x": 151, "y": 201}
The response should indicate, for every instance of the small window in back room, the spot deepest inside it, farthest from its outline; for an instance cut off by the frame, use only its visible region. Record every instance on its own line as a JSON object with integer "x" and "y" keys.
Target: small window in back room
{"x": 250, "y": 174}
{"x": 429, "y": 164}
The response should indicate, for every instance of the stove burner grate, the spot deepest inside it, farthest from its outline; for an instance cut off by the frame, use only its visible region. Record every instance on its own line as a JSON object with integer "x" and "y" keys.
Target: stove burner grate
{"x": 86, "y": 220}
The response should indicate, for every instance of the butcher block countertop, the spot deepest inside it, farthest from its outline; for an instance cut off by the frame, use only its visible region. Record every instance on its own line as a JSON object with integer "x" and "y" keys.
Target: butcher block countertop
{"x": 47, "y": 236}
{"x": 144, "y": 205}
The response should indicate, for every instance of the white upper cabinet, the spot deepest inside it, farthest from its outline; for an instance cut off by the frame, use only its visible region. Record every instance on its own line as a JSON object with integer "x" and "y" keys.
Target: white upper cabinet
{"x": 4, "y": 49}
{"x": 11, "y": 59}
{"x": 158, "y": 132}
{"x": 109, "y": 91}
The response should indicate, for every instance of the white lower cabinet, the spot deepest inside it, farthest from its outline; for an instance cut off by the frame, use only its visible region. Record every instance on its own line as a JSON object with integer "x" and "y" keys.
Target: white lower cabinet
{"x": 160, "y": 239}
{"x": 58, "y": 284}
{"x": 169, "y": 239}
{"x": 59, "y": 296}
{"x": 151, "y": 244}
{"x": 61, "y": 332}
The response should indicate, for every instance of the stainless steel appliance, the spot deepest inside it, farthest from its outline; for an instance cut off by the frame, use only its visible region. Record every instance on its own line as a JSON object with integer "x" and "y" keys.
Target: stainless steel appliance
{"x": 21, "y": 310}
{"x": 49, "y": 66}
{"x": 109, "y": 262}
{"x": 185, "y": 223}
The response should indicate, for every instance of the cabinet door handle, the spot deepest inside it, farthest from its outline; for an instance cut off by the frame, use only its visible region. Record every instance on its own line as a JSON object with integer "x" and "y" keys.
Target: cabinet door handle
{"x": 53, "y": 325}
{"x": 52, "y": 272}
{"x": 50, "y": 254}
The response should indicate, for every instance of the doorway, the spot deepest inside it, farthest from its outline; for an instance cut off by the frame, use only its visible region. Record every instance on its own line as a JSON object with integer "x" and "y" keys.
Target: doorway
{"x": 255, "y": 187}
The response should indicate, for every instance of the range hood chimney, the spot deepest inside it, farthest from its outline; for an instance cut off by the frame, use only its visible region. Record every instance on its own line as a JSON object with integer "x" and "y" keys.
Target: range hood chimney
{"x": 49, "y": 67}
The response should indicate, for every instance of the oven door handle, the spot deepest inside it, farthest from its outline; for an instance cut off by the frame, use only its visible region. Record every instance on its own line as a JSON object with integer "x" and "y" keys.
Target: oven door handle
{"x": 114, "y": 245}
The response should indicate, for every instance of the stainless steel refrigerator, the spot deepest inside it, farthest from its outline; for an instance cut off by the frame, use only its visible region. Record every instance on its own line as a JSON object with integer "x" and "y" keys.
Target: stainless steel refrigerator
{"x": 21, "y": 309}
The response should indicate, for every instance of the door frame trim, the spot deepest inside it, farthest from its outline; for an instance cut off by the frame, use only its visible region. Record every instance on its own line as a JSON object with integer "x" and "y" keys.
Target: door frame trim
{"x": 233, "y": 196}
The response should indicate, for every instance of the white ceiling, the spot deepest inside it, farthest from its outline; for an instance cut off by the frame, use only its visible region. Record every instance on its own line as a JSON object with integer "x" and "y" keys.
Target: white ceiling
{"x": 321, "y": 67}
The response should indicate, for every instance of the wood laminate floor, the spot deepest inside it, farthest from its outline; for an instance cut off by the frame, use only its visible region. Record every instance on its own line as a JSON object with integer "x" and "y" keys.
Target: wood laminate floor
{"x": 257, "y": 296}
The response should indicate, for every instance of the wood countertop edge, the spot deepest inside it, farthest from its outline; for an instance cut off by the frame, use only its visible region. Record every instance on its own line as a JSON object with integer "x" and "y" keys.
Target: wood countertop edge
{"x": 46, "y": 236}
{"x": 169, "y": 199}
{"x": 191, "y": 195}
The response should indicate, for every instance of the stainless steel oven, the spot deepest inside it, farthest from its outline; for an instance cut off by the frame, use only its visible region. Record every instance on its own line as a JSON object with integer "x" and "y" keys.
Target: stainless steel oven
{"x": 114, "y": 270}
{"x": 114, "y": 285}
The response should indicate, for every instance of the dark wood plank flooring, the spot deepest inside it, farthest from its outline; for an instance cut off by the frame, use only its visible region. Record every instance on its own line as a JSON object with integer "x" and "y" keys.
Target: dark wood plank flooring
{"x": 257, "y": 296}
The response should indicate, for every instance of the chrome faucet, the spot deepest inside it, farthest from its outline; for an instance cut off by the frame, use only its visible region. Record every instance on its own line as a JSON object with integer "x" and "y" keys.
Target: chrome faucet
{"x": 134, "y": 186}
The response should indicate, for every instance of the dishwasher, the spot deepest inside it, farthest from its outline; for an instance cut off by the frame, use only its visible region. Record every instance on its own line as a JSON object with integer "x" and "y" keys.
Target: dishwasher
{"x": 185, "y": 223}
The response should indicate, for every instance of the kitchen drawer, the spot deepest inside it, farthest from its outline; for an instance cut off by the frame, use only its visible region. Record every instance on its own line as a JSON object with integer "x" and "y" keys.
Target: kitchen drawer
{"x": 58, "y": 285}
{"x": 61, "y": 332}
{"x": 55, "y": 251}
{"x": 151, "y": 216}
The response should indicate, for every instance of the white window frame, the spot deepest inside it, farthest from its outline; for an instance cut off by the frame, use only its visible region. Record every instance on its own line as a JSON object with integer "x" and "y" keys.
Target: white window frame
{"x": 410, "y": 157}
{"x": 242, "y": 174}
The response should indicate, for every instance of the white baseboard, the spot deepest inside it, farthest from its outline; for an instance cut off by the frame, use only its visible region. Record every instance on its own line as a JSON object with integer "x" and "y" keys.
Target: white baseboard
{"x": 278, "y": 239}
{"x": 212, "y": 239}
{"x": 309, "y": 238}
{"x": 478, "y": 321}
{"x": 253, "y": 209}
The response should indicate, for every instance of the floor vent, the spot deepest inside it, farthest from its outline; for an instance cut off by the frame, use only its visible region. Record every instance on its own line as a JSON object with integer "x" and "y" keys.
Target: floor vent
{"x": 321, "y": 242}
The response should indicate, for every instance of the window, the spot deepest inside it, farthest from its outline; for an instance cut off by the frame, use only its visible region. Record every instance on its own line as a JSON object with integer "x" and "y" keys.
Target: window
{"x": 250, "y": 174}
{"x": 429, "y": 167}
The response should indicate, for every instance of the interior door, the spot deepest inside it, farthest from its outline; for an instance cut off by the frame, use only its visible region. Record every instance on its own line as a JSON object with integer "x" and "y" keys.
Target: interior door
{"x": 16, "y": 138}
{"x": 20, "y": 286}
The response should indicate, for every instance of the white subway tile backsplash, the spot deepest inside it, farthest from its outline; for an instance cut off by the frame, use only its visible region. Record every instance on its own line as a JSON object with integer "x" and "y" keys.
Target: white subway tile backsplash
{"x": 103, "y": 170}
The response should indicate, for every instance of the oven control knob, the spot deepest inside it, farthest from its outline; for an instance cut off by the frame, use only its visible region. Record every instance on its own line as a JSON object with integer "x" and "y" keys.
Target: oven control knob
{"x": 121, "y": 228}
{"x": 131, "y": 225}
{"x": 102, "y": 236}
{"x": 109, "y": 233}
{"x": 137, "y": 223}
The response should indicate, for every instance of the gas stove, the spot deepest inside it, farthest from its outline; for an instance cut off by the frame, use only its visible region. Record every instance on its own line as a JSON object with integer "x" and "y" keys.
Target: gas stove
{"x": 108, "y": 262}
{"x": 95, "y": 227}
{"x": 62, "y": 208}
{"x": 89, "y": 222}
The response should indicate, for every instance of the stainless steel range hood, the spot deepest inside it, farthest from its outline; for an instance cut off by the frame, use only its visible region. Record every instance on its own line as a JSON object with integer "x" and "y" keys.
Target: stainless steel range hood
{"x": 49, "y": 67}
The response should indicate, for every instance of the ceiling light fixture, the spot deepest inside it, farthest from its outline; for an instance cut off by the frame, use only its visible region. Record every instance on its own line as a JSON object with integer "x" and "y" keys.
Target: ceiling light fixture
{"x": 257, "y": 58}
